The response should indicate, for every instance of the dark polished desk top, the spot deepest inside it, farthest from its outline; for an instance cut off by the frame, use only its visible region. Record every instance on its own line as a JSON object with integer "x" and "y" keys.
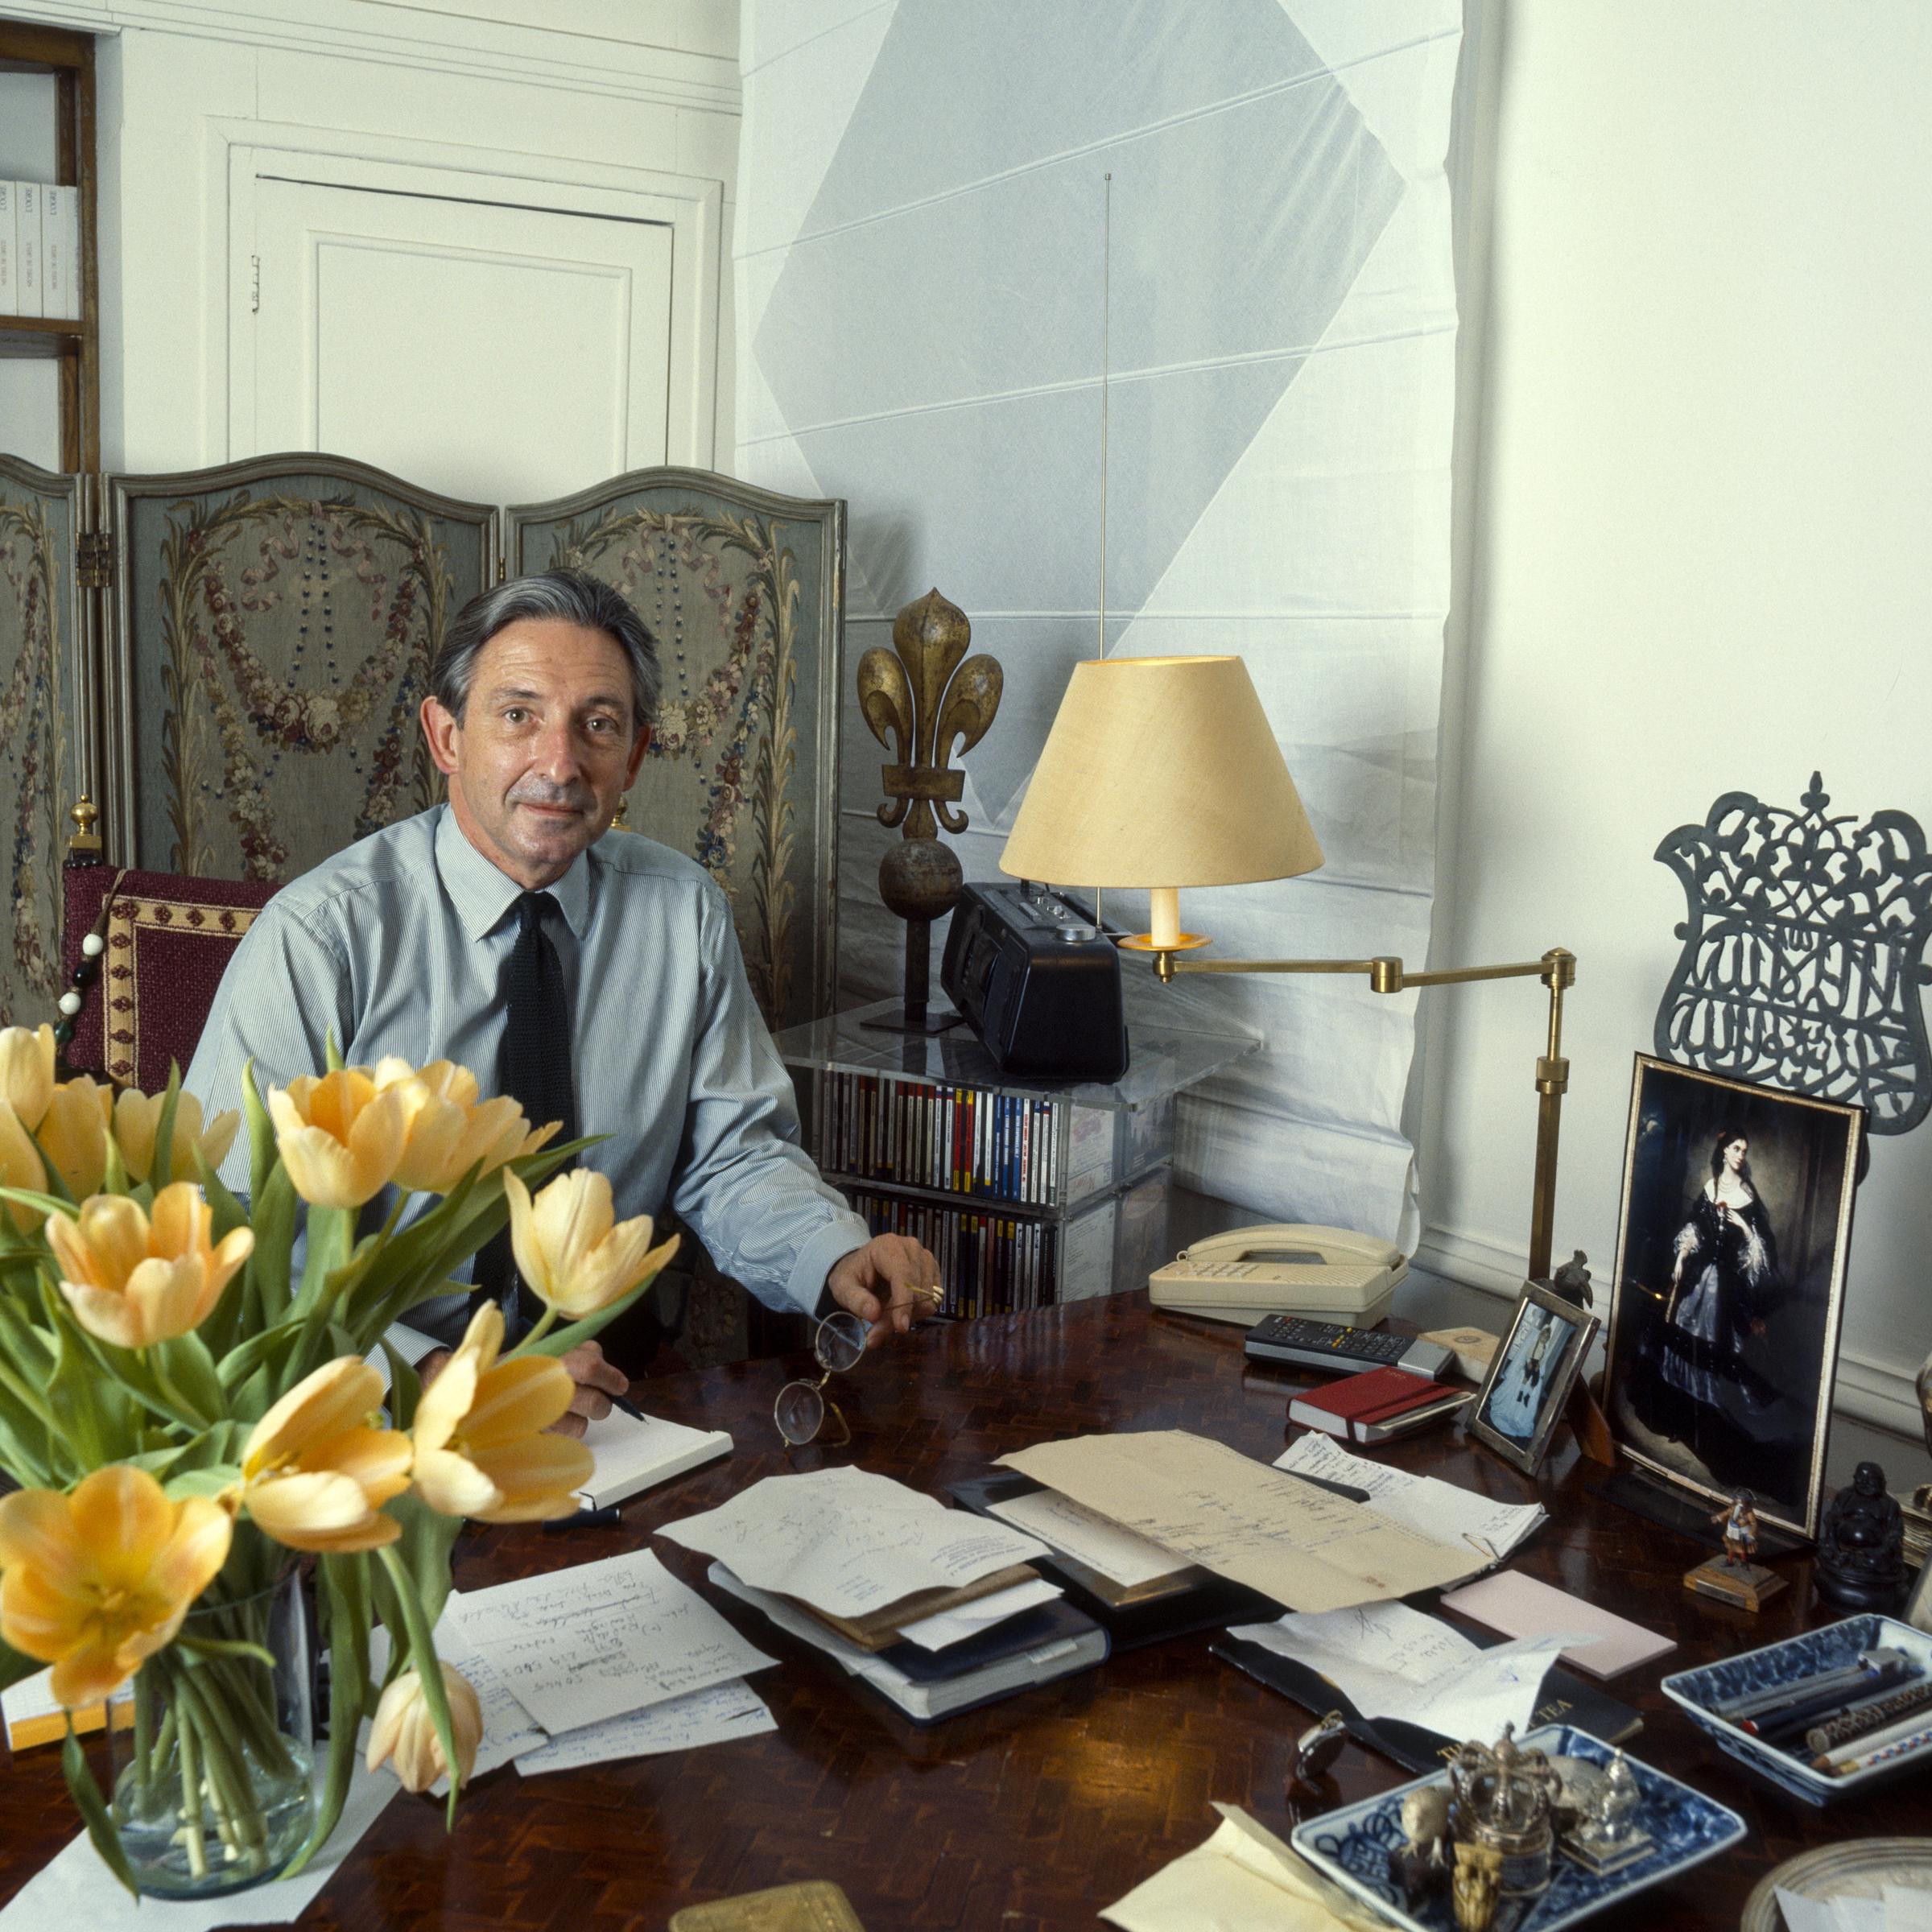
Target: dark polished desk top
{"x": 1035, "y": 1813}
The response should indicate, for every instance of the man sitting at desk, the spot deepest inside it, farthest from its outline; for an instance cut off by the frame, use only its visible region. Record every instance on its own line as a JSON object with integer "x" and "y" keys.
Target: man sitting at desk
{"x": 599, "y": 977}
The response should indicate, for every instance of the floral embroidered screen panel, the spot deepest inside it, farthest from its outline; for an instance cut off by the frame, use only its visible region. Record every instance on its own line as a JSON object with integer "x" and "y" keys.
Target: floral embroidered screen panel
{"x": 45, "y": 704}
{"x": 743, "y": 590}
{"x": 275, "y": 621}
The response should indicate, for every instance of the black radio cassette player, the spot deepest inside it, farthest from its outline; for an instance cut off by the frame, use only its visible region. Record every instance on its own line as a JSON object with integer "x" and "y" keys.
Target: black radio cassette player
{"x": 1038, "y": 981}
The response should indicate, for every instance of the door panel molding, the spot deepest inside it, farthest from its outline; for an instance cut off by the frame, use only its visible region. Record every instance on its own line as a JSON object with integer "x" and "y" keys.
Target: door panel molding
{"x": 247, "y": 152}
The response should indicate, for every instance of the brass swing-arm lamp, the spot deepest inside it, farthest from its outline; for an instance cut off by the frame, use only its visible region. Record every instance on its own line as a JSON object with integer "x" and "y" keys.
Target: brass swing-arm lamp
{"x": 1164, "y": 772}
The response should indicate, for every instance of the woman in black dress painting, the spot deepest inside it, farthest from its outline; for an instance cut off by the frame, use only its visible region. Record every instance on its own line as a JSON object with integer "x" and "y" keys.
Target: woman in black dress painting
{"x": 1724, "y": 1282}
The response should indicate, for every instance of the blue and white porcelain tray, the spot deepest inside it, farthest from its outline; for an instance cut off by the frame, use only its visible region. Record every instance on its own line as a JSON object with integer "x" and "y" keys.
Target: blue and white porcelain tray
{"x": 1351, "y": 1846}
{"x": 1695, "y": 1691}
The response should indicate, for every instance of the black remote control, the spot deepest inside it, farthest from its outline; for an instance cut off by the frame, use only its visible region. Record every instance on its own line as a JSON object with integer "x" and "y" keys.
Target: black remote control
{"x": 1342, "y": 1351}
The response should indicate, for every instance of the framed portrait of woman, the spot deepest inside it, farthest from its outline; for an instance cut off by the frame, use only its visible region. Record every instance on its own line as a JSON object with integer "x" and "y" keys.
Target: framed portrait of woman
{"x": 1524, "y": 1395}
{"x": 1729, "y": 1286}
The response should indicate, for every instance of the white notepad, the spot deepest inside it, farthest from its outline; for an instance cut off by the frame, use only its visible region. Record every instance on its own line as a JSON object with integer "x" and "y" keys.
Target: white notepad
{"x": 634, "y": 1453}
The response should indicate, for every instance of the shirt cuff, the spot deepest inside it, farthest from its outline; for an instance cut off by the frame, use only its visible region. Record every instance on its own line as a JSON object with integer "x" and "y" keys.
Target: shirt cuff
{"x": 844, "y": 1234}
{"x": 409, "y": 1343}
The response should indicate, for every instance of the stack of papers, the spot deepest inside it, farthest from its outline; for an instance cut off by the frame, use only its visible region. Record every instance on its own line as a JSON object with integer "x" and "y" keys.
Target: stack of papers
{"x": 1244, "y": 1879}
{"x": 605, "y": 1660}
{"x": 1445, "y": 1512}
{"x": 1389, "y": 1661}
{"x": 933, "y": 1608}
{"x": 1296, "y": 1544}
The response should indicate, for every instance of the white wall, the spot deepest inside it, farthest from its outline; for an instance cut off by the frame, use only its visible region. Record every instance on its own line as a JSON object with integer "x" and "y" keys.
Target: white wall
{"x": 1701, "y": 462}
{"x": 600, "y": 91}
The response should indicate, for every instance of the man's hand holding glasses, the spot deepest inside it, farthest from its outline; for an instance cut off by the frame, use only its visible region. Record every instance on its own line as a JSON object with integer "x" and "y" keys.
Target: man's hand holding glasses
{"x": 888, "y": 1284}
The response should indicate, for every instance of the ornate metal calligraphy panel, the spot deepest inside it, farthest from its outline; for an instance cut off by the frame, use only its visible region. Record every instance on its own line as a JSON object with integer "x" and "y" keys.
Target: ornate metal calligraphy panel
{"x": 277, "y": 619}
{"x": 1804, "y": 953}
{"x": 743, "y": 590}
{"x": 45, "y": 702}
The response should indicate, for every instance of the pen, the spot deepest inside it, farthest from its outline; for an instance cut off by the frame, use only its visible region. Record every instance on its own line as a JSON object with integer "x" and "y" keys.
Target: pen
{"x": 625, "y": 1406}
{"x": 1848, "y": 1677}
{"x": 1793, "y": 1720}
{"x": 1347, "y": 1491}
{"x": 585, "y": 1519}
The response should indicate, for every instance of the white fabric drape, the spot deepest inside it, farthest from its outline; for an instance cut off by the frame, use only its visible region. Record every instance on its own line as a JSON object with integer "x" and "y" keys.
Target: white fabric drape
{"x": 918, "y": 254}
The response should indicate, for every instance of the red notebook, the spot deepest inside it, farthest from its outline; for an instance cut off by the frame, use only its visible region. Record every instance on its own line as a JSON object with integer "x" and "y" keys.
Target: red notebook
{"x": 1364, "y": 1399}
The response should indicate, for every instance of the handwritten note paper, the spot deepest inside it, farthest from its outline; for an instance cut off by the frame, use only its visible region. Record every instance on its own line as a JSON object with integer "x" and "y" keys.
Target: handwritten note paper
{"x": 846, "y": 1542}
{"x": 1089, "y": 1537}
{"x": 1444, "y": 1512}
{"x": 582, "y": 1644}
{"x": 700, "y": 1717}
{"x": 1241, "y": 1519}
{"x": 1389, "y": 1661}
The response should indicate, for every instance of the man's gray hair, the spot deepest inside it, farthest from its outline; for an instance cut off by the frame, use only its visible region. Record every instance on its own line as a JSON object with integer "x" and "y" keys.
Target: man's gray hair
{"x": 572, "y": 595}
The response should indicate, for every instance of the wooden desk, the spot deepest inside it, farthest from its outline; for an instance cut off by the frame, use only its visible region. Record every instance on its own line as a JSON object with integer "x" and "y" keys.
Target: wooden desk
{"x": 1033, "y": 1814}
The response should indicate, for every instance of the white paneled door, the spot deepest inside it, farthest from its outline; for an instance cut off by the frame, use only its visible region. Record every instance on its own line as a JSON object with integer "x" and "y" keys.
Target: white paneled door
{"x": 496, "y": 352}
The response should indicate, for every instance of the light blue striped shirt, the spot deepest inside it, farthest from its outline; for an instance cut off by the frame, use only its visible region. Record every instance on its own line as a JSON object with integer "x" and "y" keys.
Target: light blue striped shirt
{"x": 396, "y": 945}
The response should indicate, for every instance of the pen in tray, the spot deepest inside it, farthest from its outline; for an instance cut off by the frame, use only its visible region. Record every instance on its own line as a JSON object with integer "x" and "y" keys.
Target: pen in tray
{"x": 1788, "y": 1721}
{"x": 1849, "y": 1679}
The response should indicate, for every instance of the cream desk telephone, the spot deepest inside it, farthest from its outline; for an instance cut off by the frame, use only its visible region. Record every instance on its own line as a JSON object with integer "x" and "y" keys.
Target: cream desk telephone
{"x": 1327, "y": 1273}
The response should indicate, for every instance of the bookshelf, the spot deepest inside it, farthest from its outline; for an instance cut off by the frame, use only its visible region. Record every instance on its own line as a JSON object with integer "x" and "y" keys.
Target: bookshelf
{"x": 1030, "y": 1192}
{"x": 68, "y": 60}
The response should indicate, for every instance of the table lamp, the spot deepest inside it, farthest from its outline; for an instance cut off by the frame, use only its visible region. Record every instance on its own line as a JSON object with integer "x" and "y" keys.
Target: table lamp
{"x": 1161, "y": 773}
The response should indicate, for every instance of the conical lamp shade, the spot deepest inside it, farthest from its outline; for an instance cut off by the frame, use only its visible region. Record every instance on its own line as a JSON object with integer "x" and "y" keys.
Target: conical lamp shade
{"x": 1161, "y": 772}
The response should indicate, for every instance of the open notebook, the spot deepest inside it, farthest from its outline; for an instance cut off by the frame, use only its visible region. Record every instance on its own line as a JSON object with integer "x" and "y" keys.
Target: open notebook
{"x": 634, "y": 1453}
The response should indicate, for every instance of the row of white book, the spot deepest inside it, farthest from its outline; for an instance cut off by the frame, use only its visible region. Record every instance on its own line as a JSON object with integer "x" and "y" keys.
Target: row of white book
{"x": 40, "y": 250}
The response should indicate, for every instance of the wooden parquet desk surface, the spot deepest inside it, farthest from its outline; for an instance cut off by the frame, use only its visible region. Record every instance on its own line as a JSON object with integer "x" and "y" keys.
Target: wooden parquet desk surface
{"x": 1033, "y": 1814}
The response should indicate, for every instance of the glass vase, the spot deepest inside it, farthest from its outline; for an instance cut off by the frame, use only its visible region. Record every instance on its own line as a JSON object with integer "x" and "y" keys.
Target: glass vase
{"x": 211, "y": 1789}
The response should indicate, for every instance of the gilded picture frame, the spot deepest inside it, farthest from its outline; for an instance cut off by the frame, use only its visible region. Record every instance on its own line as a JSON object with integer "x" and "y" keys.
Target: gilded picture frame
{"x": 1727, "y": 1292}
{"x": 1527, "y": 1391}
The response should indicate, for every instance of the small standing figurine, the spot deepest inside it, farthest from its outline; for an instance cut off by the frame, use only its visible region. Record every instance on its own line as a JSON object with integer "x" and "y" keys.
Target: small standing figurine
{"x": 1608, "y": 1838}
{"x": 1736, "y": 1577}
{"x": 1421, "y": 1865}
{"x": 1861, "y": 1546}
{"x": 1572, "y": 1281}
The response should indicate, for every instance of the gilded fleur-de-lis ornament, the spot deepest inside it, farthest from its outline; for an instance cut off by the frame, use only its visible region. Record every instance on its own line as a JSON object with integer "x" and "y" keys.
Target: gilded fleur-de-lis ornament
{"x": 927, "y": 707}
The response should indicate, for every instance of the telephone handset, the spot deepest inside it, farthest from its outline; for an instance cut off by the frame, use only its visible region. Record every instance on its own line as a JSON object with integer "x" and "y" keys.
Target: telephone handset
{"x": 1329, "y": 1274}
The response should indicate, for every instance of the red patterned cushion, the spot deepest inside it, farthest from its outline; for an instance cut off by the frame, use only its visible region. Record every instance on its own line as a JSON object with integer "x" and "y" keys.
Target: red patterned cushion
{"x": 168, "y": 939}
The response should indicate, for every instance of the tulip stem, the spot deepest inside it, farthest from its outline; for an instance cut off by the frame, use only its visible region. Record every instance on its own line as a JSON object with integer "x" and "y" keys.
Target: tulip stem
{"x": 545, "y": 1322}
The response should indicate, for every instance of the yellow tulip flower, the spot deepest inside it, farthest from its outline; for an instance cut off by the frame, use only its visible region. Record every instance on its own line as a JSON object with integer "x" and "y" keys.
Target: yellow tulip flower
{"x": 339, "y": 1139}
{"x": 569, "y": 1252}
{"x": 132, "y": 1280}
{"x": 26, "y": 1071}
{"x": 482, "y": 1445}
{"x": 316, "y": 1471}
{"x": 94, "y": 1582}
{"x": 406, "y": 1733}
{"x": 448, "y": 1130}
{"x": 73, "y": 1133}
{"x": 137, "y": 1120}
{"x": 20, "y": 1166}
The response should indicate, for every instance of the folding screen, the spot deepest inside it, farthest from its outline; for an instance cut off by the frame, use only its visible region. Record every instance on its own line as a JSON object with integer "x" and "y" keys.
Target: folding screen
{"x": 742, "y": 589}
{"x": 44, "y": 699}
{"x": 273, "y": 625}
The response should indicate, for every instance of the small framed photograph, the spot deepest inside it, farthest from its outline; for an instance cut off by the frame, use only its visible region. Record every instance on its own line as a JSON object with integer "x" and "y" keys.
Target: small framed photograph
{"x": 1729, "y": 1286}
{"x": 1523, "y": 1396}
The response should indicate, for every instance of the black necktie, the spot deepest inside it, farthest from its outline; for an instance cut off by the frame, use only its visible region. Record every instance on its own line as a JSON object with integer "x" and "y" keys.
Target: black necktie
{"x": 533, "y": 1067}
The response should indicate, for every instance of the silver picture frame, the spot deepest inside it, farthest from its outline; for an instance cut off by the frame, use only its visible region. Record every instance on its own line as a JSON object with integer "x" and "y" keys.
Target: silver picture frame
{"x": 1527, "y": 1391}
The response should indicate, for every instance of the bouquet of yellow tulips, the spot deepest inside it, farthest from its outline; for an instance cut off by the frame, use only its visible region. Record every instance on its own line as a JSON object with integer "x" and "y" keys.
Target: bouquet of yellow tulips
{"x": 187, "y": 1401}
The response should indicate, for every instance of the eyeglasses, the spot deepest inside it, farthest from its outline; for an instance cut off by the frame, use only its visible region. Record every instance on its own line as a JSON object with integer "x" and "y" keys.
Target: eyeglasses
{"x": 838, "y": 1343}
{"x": 801, "y": 1408}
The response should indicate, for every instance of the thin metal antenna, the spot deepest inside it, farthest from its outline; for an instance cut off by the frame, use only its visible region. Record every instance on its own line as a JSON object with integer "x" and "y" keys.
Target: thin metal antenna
{"x": 1106, "y": 305}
